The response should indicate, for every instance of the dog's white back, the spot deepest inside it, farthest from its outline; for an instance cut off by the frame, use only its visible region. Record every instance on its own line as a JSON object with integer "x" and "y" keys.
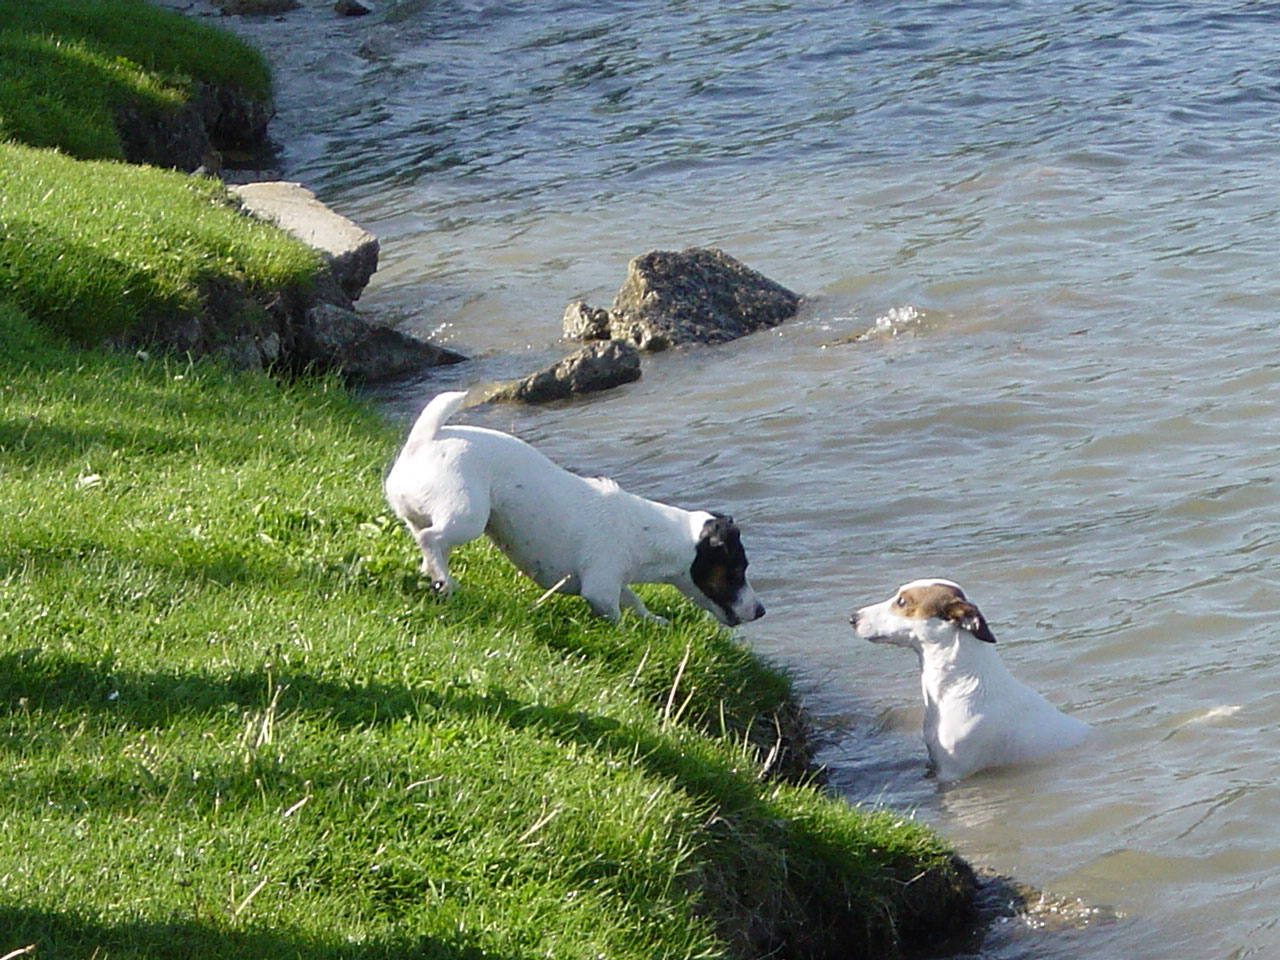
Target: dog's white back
{"x": 585, "y": 536}
{"x": 977, "y": 714}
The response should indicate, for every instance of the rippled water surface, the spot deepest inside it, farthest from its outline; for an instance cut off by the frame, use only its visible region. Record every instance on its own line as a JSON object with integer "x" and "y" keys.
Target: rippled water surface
{"x": 1058, "y": 225}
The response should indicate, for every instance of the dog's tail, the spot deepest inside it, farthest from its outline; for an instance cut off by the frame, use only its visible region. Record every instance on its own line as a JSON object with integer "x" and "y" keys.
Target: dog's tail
{"x": 434, "y": 415}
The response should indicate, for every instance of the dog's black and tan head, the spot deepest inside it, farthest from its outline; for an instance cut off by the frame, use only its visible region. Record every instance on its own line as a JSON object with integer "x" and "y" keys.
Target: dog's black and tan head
{"x": 719, "y": 572}
{"x": 906, "y": 616}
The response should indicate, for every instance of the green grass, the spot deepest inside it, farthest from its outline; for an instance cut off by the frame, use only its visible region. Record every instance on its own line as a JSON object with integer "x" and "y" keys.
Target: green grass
{"x": 233, "y": 723}
{"x": 95, "y": 248}
{"x": 68, "y": 66}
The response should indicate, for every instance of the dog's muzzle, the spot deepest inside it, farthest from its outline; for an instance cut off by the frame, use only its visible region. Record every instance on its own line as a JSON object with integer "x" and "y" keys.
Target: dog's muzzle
{"x": 857, "y": 621}
{"x": 732, "y": 619}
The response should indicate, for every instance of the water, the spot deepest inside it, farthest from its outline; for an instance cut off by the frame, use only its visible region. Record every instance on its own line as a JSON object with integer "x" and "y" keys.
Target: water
{"x": 1057, "y": 226}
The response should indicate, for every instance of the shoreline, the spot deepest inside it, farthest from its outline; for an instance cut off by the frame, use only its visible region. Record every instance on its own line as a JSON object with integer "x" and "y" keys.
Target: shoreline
{"x": 929, "y": 902}
{"x": 993, "y": 897}
{"x": 996, "y": 897}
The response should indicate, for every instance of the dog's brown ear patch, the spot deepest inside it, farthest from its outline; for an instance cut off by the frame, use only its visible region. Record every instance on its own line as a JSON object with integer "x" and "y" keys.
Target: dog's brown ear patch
{"x": 922, "y": 600}
{"x": 964, "y": 614}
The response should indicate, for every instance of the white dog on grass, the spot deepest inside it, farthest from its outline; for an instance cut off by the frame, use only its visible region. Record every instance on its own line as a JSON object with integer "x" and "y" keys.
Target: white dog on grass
{"x": 976, "y": 714}
{"x": 579, "y": 535}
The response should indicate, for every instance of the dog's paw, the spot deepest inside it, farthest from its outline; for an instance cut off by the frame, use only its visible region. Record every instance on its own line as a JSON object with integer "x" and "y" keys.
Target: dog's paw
{"x": 442, "y": 586}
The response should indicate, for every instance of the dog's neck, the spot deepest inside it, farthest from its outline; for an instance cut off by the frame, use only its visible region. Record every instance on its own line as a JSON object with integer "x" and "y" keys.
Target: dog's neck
{"x": 671, "y": 535}
{"x": 956, "y": 665}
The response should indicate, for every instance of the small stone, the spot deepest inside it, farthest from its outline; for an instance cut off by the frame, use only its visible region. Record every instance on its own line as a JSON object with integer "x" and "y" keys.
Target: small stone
{"x": 582, "y": 322}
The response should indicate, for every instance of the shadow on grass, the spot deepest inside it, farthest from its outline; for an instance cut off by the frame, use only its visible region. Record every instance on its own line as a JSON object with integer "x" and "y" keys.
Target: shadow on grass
{"x": 34, "y": 687}
{"x": 786, "y": 880}
{"x": 30, "y": 681}
{"x": 66, "y": 935}
{"x": 46, "y": 445}
{"x": 76, "y": 288}
{"x": 201, "y": 566}
{"x": 737, "y": 690}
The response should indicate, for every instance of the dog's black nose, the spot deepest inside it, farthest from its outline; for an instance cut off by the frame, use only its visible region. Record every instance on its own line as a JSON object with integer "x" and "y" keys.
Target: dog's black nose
{"x": 759, "y": 611}
{"x": 853, "y": 619}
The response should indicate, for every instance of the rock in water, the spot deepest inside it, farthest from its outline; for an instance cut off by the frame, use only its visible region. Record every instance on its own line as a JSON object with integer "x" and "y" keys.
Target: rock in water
{"x": 339, "y": 339}
{"x": 699, "y": 295}
{"x": 597, "y": 366}
{"x": 582, "y": 322}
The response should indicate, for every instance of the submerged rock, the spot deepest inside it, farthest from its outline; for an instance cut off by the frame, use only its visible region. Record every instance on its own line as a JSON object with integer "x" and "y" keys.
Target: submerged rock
{"x": 699, "y": 295}
{"x": 597, "y": 366}
{"x": 343, "y": 340}
{"x": 257, "y": 7}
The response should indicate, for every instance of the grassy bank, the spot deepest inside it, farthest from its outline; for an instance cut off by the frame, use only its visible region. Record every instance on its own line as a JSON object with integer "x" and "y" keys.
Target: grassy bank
{"x": 235, "y": 724}
{"x": 94, "y": 247}
{"x": 69, "y": 67}
{"x": 97, "y": 248}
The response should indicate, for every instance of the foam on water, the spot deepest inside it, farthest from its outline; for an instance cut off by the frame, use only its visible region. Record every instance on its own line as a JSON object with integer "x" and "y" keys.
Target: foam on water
{"x": 897, "y": 321}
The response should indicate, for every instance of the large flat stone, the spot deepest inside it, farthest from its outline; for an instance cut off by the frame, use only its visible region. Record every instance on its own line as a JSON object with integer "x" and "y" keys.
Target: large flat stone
{"x": 352, "y": 251}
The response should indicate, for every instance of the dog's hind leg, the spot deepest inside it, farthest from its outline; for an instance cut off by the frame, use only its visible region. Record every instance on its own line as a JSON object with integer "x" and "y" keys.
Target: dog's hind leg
{"x": 441, "y": 535}
{"x": 435, "y": 559}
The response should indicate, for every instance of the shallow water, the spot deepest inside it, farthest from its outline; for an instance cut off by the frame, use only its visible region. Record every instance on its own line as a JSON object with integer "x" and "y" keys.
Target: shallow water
{"x": 1057, "y": 229}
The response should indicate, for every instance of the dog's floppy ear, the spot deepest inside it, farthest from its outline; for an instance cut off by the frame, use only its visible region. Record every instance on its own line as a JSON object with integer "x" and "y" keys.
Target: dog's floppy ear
{"x": 964, "y": 614}
{"x": 719, "y": 530}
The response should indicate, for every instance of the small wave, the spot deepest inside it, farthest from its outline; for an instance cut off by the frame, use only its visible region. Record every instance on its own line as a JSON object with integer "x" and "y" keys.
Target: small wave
{"x": 899, "y": 320}
{"x": 1211, "y": 714}
{"x": 1202, "y": 717}
{"x": 896, "y": 321}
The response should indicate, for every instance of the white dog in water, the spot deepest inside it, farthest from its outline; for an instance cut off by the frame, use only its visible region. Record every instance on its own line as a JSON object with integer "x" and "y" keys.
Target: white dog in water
{"x": 976, "y": 715}
{"x": 581, "y": 536}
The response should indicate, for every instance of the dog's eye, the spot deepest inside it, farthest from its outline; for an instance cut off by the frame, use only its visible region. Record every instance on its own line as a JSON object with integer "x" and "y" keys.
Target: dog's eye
{"x": 902, "y": 601}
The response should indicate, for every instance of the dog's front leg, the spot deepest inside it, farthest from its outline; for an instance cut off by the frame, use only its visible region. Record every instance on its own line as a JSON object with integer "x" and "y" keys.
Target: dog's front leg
{"x": 603, "y": 608}
{"x": 632, "y": 602}
{"x": 602, "y": 594}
